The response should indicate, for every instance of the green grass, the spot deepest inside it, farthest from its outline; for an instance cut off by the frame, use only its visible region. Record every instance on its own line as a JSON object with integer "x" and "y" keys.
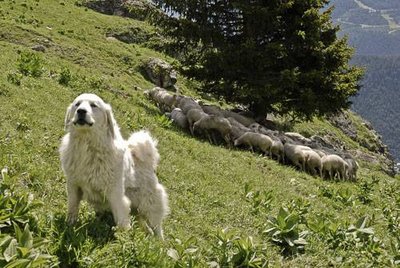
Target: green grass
{"x": 206, "y": 184}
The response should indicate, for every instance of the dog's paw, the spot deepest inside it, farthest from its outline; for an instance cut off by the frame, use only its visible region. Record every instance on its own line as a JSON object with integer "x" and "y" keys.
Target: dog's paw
{"x": 72, "y": 218}
{"x": 124, "y": 225}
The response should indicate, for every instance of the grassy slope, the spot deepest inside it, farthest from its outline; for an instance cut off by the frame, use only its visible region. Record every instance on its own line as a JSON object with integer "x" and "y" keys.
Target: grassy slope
{"x": 206, "y": 183}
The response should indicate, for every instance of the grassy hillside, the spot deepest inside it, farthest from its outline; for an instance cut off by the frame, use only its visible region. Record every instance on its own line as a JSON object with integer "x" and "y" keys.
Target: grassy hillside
{"x": 223, "y": 201}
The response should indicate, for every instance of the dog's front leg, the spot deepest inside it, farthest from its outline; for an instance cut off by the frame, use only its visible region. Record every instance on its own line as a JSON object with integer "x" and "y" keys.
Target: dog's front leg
{"x": 120, "y": 207}
{"x": 74, "y": 198}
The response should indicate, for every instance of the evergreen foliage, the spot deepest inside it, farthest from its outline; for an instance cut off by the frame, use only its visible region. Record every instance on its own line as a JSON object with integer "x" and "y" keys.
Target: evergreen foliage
{"x": 280, "y": 56}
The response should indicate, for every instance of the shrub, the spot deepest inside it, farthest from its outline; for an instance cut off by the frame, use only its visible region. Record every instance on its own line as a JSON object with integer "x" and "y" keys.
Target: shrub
{"x": 65, "y": 77}
{"x": 30, "y": 64}
{"x": 284, "y": 230}
{"x": 18, "y": 245}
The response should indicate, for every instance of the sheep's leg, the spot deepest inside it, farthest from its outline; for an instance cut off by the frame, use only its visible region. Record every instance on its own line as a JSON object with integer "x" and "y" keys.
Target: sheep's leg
{"x": 228, "y": 140}
{"x": 214, "y": 138}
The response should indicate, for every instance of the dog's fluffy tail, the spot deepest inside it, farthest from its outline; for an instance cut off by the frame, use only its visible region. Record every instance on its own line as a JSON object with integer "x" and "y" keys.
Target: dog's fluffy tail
{"x": 144, "y": 148}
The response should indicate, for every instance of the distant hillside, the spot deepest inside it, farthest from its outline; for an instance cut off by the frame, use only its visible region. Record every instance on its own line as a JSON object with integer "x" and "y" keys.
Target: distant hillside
{"x": 373, "y": 28}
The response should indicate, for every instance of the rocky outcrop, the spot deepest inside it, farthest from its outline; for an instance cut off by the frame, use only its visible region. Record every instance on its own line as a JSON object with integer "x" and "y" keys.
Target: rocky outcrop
{"x": 371, "y": 140}
{"x": 137, "y": 9}
{"x": 160, "y": 73}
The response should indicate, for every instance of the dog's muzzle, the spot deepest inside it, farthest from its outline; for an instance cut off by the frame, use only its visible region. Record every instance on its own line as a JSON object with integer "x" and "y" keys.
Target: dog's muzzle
{"x": 82, "y": 118}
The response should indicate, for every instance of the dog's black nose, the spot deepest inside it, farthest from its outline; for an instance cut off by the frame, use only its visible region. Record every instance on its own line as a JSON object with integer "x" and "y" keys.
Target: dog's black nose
{"x": 81, "y": 111}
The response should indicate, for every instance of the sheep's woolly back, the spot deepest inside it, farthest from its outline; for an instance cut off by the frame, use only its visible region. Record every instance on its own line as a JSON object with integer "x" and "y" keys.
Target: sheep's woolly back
{"x": 144, "y": 148}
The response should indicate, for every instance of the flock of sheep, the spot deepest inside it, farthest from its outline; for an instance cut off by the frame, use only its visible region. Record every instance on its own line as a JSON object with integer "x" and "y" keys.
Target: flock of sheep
{"x": 308, "y": 154}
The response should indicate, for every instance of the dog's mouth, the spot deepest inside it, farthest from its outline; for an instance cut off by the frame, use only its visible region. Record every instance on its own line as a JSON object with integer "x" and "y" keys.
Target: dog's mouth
{"x": 82, "y": 122}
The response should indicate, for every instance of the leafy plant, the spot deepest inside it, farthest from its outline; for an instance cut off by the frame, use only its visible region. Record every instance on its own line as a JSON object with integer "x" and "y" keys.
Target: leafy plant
{"x": 30, "y": 64}
{"x": 19, "y": 248}
{"x": 14, "y": 78}
{"x": 185, "y": 254}
{"x": 260, "y": 200}
{"x": 284, "y": 230}
{"x": 65, "y": 76}
{"x": 23, "y": 250}
{"x": 231, "y": 250}
{"x": 164, "y": 121}
{"x": 345, "y": 196}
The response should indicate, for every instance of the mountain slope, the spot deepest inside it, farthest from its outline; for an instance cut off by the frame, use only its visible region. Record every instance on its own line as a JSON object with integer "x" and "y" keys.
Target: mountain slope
{"x": 373, "y": 29}
{"x": 211, "y": 188}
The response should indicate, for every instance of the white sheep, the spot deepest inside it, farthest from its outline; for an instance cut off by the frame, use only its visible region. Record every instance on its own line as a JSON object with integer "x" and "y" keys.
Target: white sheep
{"x": 334, "y": 165}
{"x": 187, "y": 103}
{"x": 277, "y": 149}
{"x": 352, "y": 167}
{"x": 165, "y": 100}
{"x": 295, "y": 153}
{"x": 246, "y": 121}
{"x": 212, "y": 109}
{"x": 298, "y": 137}
{"x": 194, "y": 115}
{"x": 313, "y": 162}
{"x": 179, "y": 118}
{"x": 237, "y": 129}
{"x": 220, "y": 124}
{"x": 252, "y": 140}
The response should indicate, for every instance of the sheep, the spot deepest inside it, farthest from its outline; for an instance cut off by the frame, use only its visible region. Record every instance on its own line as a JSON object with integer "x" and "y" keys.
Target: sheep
{"x": 165, "y": 100}
{"x": 313, "y": 162}
{"x": 246, "y": 121}
{"x": 187, "y": 104}
{"x": 194, "y": 115}
{"x": 298, "y": 137}
{"x": 277, "y": 150}
{"x": 212, "y": 109}
{"x": 295, "y": 153}
{"x": 179, "y": 118}
{"x": 217, "y": 123}
{"x": 257, "y": 128}
{"x": 151, "y": 93}
{"x": 252, "y": 140}
{"x": 352, "y": 167}
{"x": 334, "y": 164}
{"x": 237, "y": 129}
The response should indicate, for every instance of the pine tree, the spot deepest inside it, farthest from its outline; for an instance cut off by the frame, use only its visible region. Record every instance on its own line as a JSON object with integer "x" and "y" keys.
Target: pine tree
{"x": 280, "y": 56}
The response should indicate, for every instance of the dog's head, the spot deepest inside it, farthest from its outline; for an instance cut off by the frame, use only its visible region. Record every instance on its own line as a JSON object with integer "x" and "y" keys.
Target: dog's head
{"x": 89, "y": 112}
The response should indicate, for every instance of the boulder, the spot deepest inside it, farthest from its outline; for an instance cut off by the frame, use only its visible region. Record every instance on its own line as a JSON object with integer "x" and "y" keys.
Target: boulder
{"x": 160, "y": 73}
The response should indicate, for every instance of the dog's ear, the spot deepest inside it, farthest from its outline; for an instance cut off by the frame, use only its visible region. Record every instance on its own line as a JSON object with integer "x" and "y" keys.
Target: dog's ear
{"x": 67, "y": 119}
{"x": 110, "y": 121}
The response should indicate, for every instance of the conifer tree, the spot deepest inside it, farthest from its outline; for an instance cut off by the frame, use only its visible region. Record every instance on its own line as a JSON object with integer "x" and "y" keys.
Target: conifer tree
{"x": 279, "y": 56}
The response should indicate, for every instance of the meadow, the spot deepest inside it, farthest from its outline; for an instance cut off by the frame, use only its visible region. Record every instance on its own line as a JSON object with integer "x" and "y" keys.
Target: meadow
{"x": 229, "y": 207}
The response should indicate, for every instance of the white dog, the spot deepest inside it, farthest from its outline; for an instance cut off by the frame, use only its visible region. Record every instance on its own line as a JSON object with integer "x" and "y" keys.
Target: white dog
{"x": 108, "y": 171}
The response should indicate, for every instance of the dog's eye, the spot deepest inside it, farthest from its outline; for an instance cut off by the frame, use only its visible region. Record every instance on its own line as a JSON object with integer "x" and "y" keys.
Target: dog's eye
{"x": 77, "y": 104}
{"x": 93, "y": 105}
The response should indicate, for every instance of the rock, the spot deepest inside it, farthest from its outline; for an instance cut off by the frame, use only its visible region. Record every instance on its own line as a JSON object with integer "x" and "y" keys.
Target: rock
{"x": 342, "y": 121}
{"x": 160, "y": 73}
{"x": 40, "y": 48}
{"x": 137, "y": 9}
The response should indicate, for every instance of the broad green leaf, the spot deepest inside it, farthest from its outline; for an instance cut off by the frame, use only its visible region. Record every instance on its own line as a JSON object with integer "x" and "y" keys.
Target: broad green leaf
{"x": 11, "y": 250}
{"x": 18, "y": 232}
{"x": 24, "y": 252}
{"x": 361, "y": 222}
{"x": 4, "y": 242}
{"x": 173, "y": 254}
{"x": 18, "y": 263}
{"x": 26, "y": 238}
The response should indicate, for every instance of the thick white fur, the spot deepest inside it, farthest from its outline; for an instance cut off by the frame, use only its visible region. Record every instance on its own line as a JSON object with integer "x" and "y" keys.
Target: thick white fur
{"x": 108, "y": 171}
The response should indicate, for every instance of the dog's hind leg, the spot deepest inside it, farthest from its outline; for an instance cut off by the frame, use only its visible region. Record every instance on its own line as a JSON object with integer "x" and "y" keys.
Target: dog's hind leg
{"x": 74, "y": 198}
{"x": 156, "y": 209}
{"x": 120, "y": 208}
